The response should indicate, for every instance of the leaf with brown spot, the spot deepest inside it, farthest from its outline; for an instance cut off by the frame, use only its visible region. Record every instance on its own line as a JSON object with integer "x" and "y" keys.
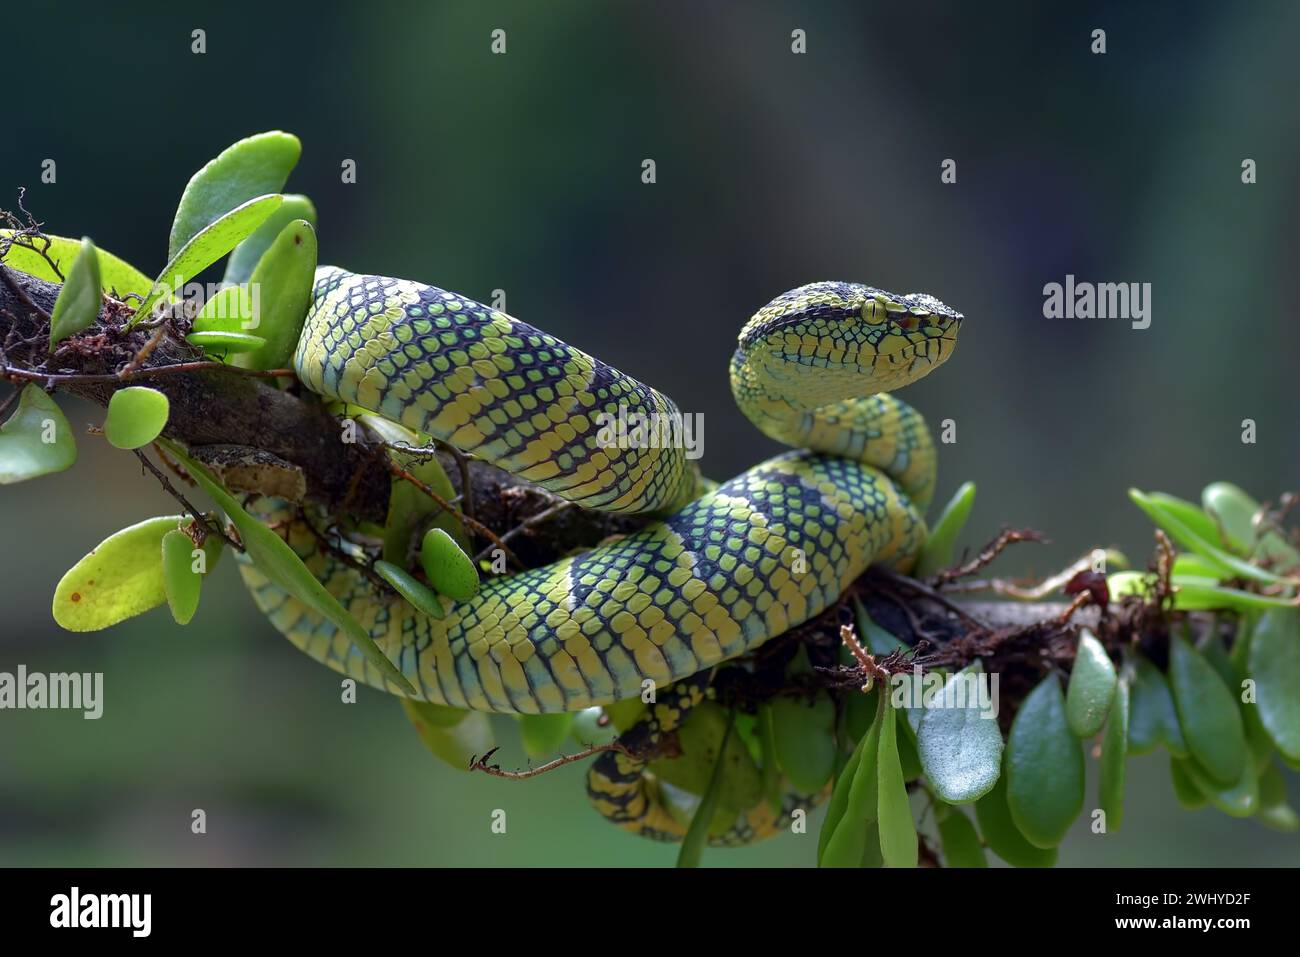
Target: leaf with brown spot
{"x": 120, "y": 578}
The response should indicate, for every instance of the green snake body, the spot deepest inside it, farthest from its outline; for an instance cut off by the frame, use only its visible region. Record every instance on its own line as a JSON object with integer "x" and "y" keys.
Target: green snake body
{"x": 722, "y": 571}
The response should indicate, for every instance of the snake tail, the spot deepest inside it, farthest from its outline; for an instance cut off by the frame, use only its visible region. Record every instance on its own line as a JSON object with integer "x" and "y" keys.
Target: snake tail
{"x": 624, "y": 792}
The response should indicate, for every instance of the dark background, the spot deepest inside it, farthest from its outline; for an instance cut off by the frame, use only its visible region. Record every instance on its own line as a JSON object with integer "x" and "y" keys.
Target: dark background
{"x": 522, "y": 172}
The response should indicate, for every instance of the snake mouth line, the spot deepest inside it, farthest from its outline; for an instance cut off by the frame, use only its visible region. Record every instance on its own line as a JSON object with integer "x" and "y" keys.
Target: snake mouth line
{"x": 911, "y": 355}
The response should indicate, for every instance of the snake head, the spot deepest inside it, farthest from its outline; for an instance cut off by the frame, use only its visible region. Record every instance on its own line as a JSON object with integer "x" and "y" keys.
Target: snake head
{"x": 916, "y": 325}
{"x": 853, "y": 338}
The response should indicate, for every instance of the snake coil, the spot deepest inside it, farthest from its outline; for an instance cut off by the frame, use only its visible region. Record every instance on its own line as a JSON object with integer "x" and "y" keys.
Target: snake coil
{"x": 720, "y": 572}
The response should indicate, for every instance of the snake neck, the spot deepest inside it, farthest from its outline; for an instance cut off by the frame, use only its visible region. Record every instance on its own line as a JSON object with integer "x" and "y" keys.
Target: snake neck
{"x": 819, "y": 410}
{"x": 814, "y": 365}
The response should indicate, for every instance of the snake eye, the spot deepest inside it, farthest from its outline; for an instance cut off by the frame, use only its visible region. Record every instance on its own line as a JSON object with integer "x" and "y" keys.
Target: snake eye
{"x": 873, "y": 312}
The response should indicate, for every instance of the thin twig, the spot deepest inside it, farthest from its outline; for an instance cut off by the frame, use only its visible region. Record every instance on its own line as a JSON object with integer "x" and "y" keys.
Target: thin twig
{"x": 531, "y": 522}
{"x": 1269, "y": 520}
{"x": 1079, "y": 600}
{"x": 471, "y": 522}
{"x": 480, "y": 764}
{"x": 78, "y": 378}
{"x": 337, "y": 551}
{"x": 420, "y": 451}
{"x": 208, "y": 528}
{"x": 144, "y": 352}
{"x": 921, "y": 588}
{"x": 25, "y": 235}
{"x": 866, "y": 660}
{"x": 426, "y": 452}
{"x": 1011, "y": 589}
{"x": 991, "y": 551}
{"x": 466, "y": 487}
{"x": 1164, "y": 568}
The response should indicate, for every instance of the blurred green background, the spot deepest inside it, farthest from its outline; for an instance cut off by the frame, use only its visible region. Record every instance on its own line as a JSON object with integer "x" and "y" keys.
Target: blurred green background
{"x": 522, "y": 172}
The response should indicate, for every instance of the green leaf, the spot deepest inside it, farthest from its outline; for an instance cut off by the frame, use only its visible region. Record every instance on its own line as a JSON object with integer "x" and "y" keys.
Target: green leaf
{"x": 277, "y": 561}
{"x": 804, "y": 737}
{"x": 450, "y": 570}
{"x": 120, "y": 578}
{"x": 205, "y": 248}
{"x": 1186, "y": 535}
{"x": 1152, "y": 716}
{"x": 1275, "y": 666}
{"x": 441, "y": 715}
{"x": 1235, "y": 511}
{"x": 253, "y": 166}
{"x": 1240, "y": 799}
{"x": 697, "y": 835}
{"x": 456, "y": 742}
{"x": 222, "y": 342}
{"x": 136, "y": 416}
{"x": 77, "y": 306}
{"x": 115, "y": 275}
{"x": 839, "y": 802}
{"x": 587, "y": 728}
{"x": 937, "y": 552}
{"x": 702, "y": 738}
{"x": 768, "y": 763}
{"x": 960, "y": 748}
{"x": 1189, "y": 514}
{"x": 1188, "y": 794}
{"x": 229, "y": 309}
{"x": 543, "y": 734}
{"x": 181, "y": 582}
{"x": 907, "y": 756}
{"x": 1196, "y": 594}
{"x": 409, "y": 508}
{"x": 1114, "y": 754}
{"x": 24, "y": 451}
{"x": 1274, "y": 811}
{"x": 1190, "y": 595}
{"x": 848, "y": 841}
{"x": 1240, "y": 652}
{"x": 872, "y": 856}
{"x": 1189, "y": 565}
{"x": 859, "y": 711}
{"x": 961, "y": 844}
{"x": 244, "y": 257}
{"x": 1092, "y": 687}
{"x": 1216, "y": 656}
{"x": 625, "y": 713}
{"x": 1044, "y": 767}
{"x": 897, "y": 829}
{"x": 1258, "y": 742}
{"x": 1207, "y": 714}
{"x": 421, "y": 597}
{"x": 284, "y": 276}
{"x": 1003, "y": 836}
{"x": 877, "y": 639}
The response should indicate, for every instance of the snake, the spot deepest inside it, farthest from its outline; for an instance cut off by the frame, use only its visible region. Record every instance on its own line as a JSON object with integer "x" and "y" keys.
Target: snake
{"x": 721, "y": 569}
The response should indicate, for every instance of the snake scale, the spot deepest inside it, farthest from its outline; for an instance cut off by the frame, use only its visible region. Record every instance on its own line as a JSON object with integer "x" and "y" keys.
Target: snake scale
{"x": 723, "y": 568}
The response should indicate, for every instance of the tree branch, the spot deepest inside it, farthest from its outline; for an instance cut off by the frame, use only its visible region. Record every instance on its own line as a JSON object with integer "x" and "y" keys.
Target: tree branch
{"x": 217, "y": 405}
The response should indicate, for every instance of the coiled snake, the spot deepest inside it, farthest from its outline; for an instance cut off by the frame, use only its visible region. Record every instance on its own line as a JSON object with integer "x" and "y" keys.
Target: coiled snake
{"x": 721, "y": 572}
